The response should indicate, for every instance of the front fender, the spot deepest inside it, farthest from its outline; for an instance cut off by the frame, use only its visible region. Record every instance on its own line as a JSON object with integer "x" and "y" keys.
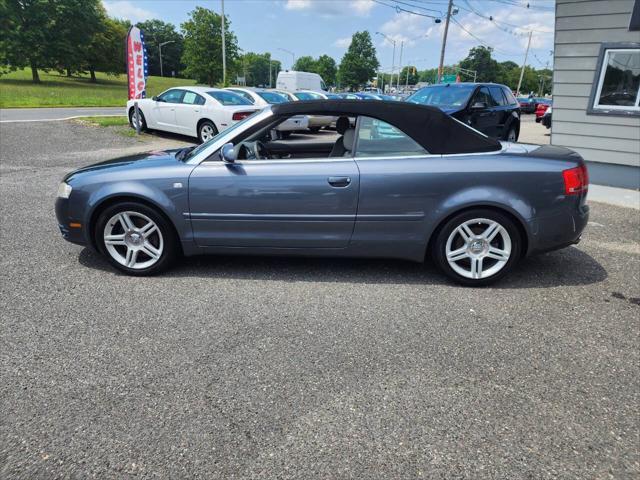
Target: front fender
{"x": 172, "y": 206}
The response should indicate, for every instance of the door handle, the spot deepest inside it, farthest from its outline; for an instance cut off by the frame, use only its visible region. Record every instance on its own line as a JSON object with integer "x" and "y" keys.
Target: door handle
{"x": 339, "y": 181}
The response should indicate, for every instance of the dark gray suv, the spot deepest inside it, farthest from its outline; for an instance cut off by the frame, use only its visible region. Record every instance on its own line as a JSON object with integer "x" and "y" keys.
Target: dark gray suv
{"x": 488, "y": 107}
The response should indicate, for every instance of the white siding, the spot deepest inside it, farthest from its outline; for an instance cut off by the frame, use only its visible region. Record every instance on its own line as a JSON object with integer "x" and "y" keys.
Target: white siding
{"x": 581, "y": 26}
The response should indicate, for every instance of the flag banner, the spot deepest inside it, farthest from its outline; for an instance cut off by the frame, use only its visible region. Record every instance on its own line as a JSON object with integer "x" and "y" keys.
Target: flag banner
{"x": 137, "y": 66}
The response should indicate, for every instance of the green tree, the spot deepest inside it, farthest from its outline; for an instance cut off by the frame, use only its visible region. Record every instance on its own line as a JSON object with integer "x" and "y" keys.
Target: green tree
{"x": 409, "y": 75}
{"x": 76, "y": 23}
{"x": 327, "y": 69}
{"x": 254, "y": 67}
{"x": 479, "y": 59}
{"x": 157, "y": 32}
{"x": 106, "y": 51}
{"x": 27, "y": 31}
{"x": 305, "y": 64}
{"x": 359, "y": 63}
{"x": 202, "y": 53}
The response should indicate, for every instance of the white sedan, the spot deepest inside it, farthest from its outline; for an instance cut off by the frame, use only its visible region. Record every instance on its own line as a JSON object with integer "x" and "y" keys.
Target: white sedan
{"x": 316, "y": 122}
{"x": 263, "y": 97}
{"x": 200, "y": 112}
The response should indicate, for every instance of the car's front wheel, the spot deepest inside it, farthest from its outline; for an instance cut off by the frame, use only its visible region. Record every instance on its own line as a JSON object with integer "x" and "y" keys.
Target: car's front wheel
{"x": 134, "y": 119}
{"x": 135, "y": 238}
{"x": 206, "y": 131}
{"x": 477, "y": 247}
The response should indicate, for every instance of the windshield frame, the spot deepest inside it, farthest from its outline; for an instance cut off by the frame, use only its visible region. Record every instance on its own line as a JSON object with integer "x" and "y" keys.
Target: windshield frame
{"x": 205, "y": 150}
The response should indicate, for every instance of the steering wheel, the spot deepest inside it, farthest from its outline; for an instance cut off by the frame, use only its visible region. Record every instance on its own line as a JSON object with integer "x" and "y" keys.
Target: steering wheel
{"x": 253, "y": 151}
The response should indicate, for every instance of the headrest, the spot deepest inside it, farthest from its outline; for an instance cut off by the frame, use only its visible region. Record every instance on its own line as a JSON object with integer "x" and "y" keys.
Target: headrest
{"x": 342, "y": 124}
{"x": 348, "y": 139}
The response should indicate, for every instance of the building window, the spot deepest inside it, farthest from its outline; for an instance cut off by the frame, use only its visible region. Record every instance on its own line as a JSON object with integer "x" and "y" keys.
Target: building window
{"x": 616, "y": 89}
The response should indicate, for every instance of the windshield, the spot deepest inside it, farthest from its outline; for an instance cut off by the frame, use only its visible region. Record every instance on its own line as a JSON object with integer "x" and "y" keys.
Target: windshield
{"x": 443, "y": 95}
{"x": 228, "y": 98}
{"x": 271, "y": 97}
{"x": 195, "y": 151}
{"x": 308, "y": 96}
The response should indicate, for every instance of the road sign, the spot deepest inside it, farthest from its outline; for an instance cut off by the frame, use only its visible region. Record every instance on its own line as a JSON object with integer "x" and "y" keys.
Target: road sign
{"x": 449, "y": 78}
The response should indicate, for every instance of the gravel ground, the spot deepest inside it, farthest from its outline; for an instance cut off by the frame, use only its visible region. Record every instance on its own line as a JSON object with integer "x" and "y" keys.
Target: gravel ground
{"x": 532, "y": 132}
{"x": 305, "y": 368}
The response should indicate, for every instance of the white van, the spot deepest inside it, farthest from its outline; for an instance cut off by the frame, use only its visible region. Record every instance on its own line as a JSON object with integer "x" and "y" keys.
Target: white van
{"x": 293, "y": 81}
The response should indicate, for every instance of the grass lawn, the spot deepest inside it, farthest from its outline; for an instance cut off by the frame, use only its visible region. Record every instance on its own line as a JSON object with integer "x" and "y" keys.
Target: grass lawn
{"x": 118, "y": 124}
{"x": 55, "y": 90}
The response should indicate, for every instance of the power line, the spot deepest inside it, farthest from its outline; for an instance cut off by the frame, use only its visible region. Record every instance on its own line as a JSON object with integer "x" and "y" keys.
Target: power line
{"x": 482, "y": 42}
{"x": 399, "y": 9}
{"x": 500, "y": 22}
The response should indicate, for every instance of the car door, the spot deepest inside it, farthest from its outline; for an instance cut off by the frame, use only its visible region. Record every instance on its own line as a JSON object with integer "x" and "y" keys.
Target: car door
{"x": 484, "y": 119}
{"x": 164, "y": 110}
{"x": 188, "y": 112}
{"x": 274, "y": 203}
{"x": 502, "y": 110}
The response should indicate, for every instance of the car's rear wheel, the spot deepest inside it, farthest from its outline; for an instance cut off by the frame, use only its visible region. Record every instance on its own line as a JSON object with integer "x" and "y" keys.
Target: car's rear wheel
{"x": 206, "y": 131}
{"x": 135, "y": 238}
{"x": 133, "y": 119}
{"x": 512, "y": 134}
{"x": 477, "y": 247}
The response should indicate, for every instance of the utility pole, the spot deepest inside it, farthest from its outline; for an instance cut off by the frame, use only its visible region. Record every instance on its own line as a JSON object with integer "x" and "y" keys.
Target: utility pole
{"x": 224, "y": 53}
{"x": 393, "y": 57}
{"x": 444, "y": 40}
{"x": 526, "y": 54}
{"x": 160, "y": 51}
{"x": 400, "y": 65}
{"x": 269, "y": 73}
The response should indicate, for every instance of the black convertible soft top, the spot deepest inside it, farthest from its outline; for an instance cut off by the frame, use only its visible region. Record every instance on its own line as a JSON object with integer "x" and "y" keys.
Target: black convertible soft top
{"x": 436, "y": 131}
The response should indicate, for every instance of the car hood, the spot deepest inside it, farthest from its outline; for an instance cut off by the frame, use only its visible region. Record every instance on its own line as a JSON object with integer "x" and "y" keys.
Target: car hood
{"x": 138, "y": 160}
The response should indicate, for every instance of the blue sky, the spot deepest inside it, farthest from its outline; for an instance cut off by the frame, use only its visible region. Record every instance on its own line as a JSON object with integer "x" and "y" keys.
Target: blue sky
{"x": 315, "y": 27}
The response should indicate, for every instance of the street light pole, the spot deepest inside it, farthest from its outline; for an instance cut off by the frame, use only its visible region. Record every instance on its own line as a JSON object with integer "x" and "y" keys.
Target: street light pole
{"x": 444, "y": 40}
{"x": 293, "y": 56}
{"x": 224, "y": 45}
{"x": 160, "y": 51}
{"x": 400, "y": 65}
{"x": 393, "y": 57}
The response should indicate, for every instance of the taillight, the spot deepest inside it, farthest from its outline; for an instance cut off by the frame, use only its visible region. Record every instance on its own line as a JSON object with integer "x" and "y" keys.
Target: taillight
{"x": 576, "y": 180}
{"x": 240, "y": 115}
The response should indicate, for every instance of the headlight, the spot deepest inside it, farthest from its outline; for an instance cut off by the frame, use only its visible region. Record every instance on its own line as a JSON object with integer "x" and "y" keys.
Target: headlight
{"x": 64, "y": 190}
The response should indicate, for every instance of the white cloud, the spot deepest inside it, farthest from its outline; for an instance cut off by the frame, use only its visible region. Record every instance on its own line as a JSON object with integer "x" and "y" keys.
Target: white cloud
{"x": 332, "y": 8}
{"x": 342, "y": 42}
{"x": 125, "y": 9}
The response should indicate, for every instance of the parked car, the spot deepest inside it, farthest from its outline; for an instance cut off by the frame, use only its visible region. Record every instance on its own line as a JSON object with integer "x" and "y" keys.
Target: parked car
{"x": 200, "y": 112}
{"x": 546, "y": 118}
{"x": 450, "y": 193}
{"x": 316, "y": 122}
{"x": 293, "y": 81}
{"x": 488, "y": 107}
{"x": 262, "y": 97}
{"x": 527, "y": 104}
{"x": 541, "y": 107}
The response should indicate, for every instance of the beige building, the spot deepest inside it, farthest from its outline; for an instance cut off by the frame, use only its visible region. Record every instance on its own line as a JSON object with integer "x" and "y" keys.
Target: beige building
{"x": 596, "y": 87}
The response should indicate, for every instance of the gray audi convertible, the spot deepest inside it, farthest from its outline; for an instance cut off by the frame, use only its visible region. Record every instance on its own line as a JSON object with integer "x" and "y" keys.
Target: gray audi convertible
{"x": 396, "y": 180}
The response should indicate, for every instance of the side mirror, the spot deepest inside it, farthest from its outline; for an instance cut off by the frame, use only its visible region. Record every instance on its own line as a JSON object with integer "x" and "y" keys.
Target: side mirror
{"x": 478, "y": 106}
{"x": 228, "y": 153}
{"x": 154, "y": 98}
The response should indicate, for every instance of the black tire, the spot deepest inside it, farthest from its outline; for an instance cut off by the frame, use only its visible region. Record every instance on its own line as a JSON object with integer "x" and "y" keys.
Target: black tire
{"x": 170, "y": 241}
{"x": 314, "y": 129}
{"x": 511, "y": 130}
{"x": 439, "y": 245}
{"x": 143, "y": 121}
{"x": 203, "y": 130}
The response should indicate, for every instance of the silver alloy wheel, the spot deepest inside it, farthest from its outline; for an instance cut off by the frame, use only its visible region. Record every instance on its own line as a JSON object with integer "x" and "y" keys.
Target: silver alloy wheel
{"x": 135, "y": 119}
{"x": 511, "y": 136}
{"x": 133, "y": 240}
{"x": 207, "y": 133}
{"x": 478, "y": 248}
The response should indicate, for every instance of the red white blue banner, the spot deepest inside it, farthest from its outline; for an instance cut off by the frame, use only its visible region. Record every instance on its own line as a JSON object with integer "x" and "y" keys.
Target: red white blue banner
{"x": 137, "y": 67}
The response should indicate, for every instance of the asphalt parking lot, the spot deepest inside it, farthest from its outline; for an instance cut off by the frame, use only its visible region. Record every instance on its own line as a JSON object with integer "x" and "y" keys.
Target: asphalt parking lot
{"x": 233, "y": 367}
